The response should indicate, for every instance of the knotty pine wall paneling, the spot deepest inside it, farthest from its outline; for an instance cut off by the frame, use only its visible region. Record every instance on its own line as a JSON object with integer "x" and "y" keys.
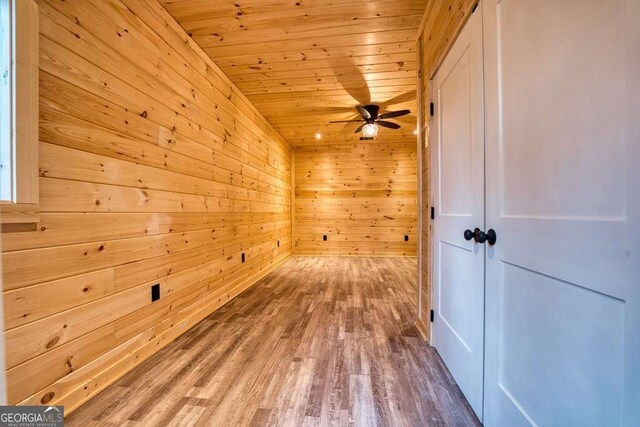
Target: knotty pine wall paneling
{"x": 154, "y": 168}
{"x": 362, "y": 196}
{"x": 442, "y": 22}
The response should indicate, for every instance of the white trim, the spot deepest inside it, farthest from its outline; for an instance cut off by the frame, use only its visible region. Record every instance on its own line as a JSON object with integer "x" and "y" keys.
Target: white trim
{"x": 23, "y": 206}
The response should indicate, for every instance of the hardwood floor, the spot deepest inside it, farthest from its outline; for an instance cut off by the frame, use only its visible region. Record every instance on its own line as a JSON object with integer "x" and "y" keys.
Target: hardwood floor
{"x": 319, "y": 341}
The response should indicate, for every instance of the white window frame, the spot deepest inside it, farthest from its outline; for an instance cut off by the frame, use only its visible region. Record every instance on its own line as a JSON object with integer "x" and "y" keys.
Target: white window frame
{"x": 22, "y": 205}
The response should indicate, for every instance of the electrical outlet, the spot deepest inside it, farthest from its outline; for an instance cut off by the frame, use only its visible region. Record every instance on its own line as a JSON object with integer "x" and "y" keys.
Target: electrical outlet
{"x": 324, "y": 237}
{"x": 155, "y": 292}
{"x": 406, "y": 238}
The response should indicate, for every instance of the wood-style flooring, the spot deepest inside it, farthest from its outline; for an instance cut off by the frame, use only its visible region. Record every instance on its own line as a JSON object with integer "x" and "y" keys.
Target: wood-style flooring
{"x": 319, "y": 341}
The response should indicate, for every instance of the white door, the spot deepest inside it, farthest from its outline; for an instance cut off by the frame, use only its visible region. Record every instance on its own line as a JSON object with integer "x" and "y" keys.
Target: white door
{"x": 563, "y": 194}
{"x": 458, "y": 183}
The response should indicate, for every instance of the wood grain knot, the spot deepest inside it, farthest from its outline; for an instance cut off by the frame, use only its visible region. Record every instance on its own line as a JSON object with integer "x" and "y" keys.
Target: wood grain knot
{"x": 53, "y": 342}
{"x": 47, "y": 398}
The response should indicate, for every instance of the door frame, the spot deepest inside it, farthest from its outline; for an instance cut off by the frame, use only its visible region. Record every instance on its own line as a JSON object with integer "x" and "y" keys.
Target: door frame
{"x": 419, "y": 143}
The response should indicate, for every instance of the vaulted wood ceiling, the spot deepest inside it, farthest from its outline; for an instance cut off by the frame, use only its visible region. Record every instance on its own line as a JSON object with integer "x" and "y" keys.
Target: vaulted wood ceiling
{"x": 304, "y": 63}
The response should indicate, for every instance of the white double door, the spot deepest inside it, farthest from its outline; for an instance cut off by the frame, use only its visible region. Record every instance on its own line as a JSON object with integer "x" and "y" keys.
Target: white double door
{"x": 537, "y": 136}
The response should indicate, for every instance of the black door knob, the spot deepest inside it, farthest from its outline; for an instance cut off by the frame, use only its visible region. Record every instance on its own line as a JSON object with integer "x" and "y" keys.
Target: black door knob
{"x": 492, "y": 237}
{"x": 479, "y": 235}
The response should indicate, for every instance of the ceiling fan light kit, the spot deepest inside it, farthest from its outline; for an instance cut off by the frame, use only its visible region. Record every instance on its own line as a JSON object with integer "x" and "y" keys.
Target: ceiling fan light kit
{"x": 370, "y": 130}
{"x": 372, "y": 120}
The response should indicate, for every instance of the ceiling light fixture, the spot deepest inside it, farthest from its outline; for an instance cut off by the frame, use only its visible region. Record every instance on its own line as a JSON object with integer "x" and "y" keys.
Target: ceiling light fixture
{"x": 318, "y": 136}
{"x": 370, "y": 130}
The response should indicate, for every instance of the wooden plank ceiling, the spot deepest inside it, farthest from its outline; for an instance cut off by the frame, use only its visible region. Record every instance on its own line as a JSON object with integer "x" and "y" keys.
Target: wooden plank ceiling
{"x": 304, "y": 63}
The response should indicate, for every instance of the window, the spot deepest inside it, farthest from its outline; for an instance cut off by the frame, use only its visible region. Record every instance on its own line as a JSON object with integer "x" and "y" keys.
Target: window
{"x": 6, "y": 121}
{"x": 18, "y": 111}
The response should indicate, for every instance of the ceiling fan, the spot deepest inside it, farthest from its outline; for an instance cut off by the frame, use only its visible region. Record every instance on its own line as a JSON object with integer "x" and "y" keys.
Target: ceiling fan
{"x": 372, "y": 120}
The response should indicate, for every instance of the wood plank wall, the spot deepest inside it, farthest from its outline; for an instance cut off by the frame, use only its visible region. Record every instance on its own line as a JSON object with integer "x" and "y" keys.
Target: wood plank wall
{"x": 153, "y": 169}
{"x": 362, "y": 196}
{"x": 442, "y": 22}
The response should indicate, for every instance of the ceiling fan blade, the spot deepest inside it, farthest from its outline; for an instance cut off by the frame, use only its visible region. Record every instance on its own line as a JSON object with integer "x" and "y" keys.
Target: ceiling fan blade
{"x": 351, "y": 79}
{"x": 346, "y": 121}
{"x": 408, "y": 119}
{"x": 393, "y": 114}
{"x": 359, "y": 128}
{"x": 364, "y": 113}
{"x": 389, "y": 125}
{"x": 399, "y": 99}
